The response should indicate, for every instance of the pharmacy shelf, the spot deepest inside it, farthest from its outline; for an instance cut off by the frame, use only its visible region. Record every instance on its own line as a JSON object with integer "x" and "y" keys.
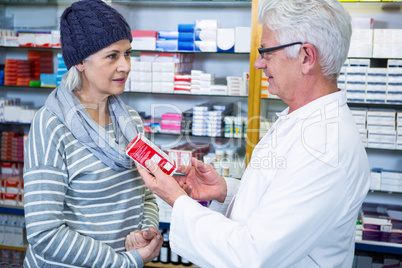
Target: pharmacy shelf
{"x": 382, "y": 247}
{"x": 135, "y": 50}
{"x": 375, "y": 105}
{"x": 28, "y": 88}
{"x": 162, "y": 265}
{"x": 184, "y": 3}
{"x": 12, "y": 210}
{"x": 11, "y": 161}
{"x": 15, "y": 123}
{"x": 27, "y": 2}
{"x": 372, "y": 3}
{"x": 385, "y": 192}
{"x": 34, "y": 48}
{"x": 186, "y": 95}
{"x": 164, "y": 225}
{"x": 192, "y": 52}
{"x": 13, "y": 248}
{"x": 383, "y": 149}
{"x": 24, "y": 88}
{"x": 189, "y": 135}
{"x": 37, "y": 2}
{"x": 356, "y": 104}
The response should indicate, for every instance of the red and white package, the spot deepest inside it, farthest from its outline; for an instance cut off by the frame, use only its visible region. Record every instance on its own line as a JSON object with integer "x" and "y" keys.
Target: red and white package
{"x": 141, "y": 149}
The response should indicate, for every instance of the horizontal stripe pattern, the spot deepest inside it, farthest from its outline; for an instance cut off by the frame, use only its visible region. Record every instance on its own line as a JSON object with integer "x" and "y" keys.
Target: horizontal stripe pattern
{"x": 78, "y": 210}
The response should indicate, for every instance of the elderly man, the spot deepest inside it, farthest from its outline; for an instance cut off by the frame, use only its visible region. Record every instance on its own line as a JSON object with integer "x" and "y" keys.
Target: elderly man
{"x": 301, "y": 213}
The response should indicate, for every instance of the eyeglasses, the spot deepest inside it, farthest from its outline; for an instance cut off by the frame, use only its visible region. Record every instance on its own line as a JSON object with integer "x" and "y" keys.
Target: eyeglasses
{"x": 270, "y": 49}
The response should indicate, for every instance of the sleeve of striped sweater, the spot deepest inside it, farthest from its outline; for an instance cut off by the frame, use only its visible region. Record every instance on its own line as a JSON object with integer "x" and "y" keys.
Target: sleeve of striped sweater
{"x": 149, "y": 218}
{"x": 46, "y": 182}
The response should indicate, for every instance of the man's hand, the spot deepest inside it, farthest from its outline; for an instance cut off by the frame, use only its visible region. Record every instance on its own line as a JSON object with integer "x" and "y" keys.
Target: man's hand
{"x": 202, "y": 182}
{"x": 160, "y": 183}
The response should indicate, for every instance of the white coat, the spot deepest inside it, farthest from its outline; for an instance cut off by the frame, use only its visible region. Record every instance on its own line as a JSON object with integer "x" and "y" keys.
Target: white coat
{"x": 297, "y": 202}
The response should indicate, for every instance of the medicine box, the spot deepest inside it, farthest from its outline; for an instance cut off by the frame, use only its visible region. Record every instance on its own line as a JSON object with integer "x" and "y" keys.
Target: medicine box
{"x": 144, "y": 40}
{"x": 142, "y": 149}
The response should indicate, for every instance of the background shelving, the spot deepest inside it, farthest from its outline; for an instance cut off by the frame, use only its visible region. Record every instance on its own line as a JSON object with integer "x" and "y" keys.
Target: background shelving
{"x": 12, "y": 210}
{"x": 142, "y": 14}
{"x": 382, "y": 247}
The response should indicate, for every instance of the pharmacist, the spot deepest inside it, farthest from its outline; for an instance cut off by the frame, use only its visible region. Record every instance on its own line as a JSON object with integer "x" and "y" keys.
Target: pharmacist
{"x": 301, "y": 212}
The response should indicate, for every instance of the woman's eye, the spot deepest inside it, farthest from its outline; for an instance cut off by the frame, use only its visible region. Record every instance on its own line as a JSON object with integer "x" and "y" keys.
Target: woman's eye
{"x": 127, "y": 53}
{"x": 112, "y": 56}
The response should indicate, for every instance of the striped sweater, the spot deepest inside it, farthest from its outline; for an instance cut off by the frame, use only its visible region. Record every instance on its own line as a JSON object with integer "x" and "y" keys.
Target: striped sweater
{"x": 78, "y": 210}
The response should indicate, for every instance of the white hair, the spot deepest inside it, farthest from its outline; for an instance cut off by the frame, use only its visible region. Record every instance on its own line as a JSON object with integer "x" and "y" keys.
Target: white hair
{"x": 323, "y": 23}
{"x": 72, "y": 80}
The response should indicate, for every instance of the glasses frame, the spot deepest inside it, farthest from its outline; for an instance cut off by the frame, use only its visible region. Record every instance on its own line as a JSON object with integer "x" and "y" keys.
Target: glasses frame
{"x": 270, "y": 49}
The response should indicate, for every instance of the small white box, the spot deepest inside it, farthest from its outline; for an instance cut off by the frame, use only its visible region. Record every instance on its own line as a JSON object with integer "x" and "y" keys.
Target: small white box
{"x": 145, "y": 66}
{"x": 205, "y": 35}
{"x": 375, "y": 180}
{"x": 141, "y": 76}
{"x": 144, "y": 43}
{"x": 170, "y": 67}
{"x": 43, "y": 40}
{"x": 26, "y": 40}
{"x": 242, "y": 39}
{"x": 206, "y": 25}
{"x": 205, "y": 46}
{"x": 162, "y": 87}
{"x": 162, "y": 77}
{"x": 226, "y": 39}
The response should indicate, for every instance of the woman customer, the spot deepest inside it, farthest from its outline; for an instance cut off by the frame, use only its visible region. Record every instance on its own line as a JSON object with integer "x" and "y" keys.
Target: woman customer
{"x": 83, "y": 195}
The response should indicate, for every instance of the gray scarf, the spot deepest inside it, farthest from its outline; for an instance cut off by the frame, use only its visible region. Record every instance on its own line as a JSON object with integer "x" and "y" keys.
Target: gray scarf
{"x": 73, "y": 114}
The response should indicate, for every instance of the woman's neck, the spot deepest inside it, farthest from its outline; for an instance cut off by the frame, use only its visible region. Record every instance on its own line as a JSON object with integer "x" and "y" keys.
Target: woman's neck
{"x": 97, "y": 108}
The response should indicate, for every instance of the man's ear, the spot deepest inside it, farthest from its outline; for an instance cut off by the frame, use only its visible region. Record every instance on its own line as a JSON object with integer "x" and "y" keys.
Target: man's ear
{"x": 80, "y": 66}
{"x": 308, "y": 56}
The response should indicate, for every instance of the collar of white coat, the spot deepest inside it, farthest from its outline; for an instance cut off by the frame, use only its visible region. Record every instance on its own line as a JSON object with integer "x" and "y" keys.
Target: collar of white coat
{"x": 324, "y": 104}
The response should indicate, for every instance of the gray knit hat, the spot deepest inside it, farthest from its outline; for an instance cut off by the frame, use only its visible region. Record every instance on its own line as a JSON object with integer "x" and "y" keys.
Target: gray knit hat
{"x": 88, "y": 26}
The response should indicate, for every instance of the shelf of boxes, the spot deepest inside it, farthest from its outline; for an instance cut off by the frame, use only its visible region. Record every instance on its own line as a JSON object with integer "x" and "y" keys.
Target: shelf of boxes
{"x": 379, "y": 228}
{"x": 190, "y": 52}
{"x": 382, "y": 247}
{"x": 364, "y": 84}
{"x": 386, "y": 180}
{"x": 200, "y": 95}
{"x": 172, "y": 73}
{"x": 379, "y": 129}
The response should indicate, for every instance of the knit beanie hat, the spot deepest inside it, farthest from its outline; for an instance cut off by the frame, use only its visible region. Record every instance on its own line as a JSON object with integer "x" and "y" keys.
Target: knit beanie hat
{"x": 88, "y": 26}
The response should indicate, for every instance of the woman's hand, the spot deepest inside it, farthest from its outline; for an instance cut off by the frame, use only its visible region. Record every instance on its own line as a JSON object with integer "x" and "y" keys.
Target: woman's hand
{"x": 147, "y": 243}
{"x": 139, "y": 239}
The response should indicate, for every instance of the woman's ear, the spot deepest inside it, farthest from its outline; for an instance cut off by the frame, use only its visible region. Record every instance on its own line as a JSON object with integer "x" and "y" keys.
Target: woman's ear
{"x": 80, "y": 66}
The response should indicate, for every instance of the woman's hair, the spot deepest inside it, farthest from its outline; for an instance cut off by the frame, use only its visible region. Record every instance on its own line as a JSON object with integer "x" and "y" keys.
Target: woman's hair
{"x": 323, "y": 23}
{"x": 72, "y": 80}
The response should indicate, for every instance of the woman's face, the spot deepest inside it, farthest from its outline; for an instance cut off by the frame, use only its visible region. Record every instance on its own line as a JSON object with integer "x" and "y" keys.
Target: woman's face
{"x": 105, "y": 72}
